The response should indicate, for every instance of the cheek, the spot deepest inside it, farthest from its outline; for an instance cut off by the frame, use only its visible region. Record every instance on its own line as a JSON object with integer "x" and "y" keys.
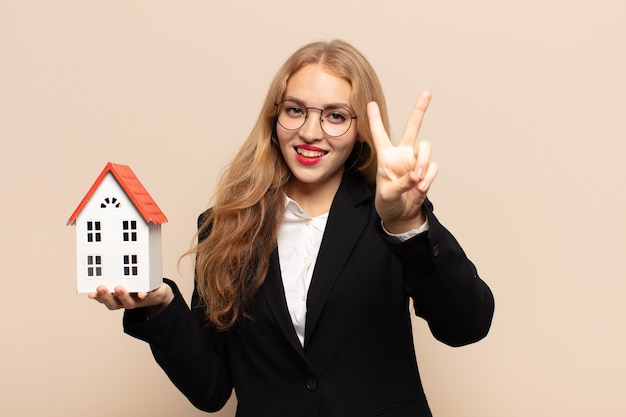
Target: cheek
{"x": 348, "y": 143}
{"x": 282, "y": 135}
{"x": 283, "y": 138}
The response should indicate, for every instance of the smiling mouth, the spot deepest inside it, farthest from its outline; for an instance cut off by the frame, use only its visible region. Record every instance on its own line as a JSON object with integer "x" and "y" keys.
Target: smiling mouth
{"x": 308, "y": 153}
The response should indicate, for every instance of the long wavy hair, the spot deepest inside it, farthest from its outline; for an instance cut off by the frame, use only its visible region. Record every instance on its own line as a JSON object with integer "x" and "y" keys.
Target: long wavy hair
{"x": 237, "y": 236}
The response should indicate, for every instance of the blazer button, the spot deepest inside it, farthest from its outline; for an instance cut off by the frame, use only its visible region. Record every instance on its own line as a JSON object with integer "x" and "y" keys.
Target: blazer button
{"x": 435, "y": 250}
{"x": 311, "y": 383}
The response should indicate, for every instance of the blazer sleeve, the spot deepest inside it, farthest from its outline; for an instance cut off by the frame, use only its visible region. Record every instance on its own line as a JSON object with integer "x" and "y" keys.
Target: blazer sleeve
{"x": 193, "y": 357}
{"x": 444, "y": 284}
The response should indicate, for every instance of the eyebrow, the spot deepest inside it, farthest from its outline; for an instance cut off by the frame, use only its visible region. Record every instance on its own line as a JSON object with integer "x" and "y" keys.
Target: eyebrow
{"x": 297, "y": 100}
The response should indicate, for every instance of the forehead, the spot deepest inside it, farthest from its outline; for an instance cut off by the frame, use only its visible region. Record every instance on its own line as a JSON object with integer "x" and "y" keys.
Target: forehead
{"x": 317, "y": 86}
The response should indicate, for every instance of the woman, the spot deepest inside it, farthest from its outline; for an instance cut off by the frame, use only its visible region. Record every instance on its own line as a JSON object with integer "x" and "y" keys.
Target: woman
{"x": 319, "y": 236}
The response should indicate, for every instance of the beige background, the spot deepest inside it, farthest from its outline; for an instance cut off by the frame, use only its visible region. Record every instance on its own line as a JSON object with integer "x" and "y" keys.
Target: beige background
{"x": 527, "y": 123}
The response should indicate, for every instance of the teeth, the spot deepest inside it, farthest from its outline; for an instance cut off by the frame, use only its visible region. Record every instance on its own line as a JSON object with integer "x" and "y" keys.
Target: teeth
{"x": 310, "y": 154}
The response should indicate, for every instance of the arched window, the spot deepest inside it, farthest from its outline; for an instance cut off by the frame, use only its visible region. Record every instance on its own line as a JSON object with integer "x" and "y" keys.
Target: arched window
{"x": 110, "y": 202}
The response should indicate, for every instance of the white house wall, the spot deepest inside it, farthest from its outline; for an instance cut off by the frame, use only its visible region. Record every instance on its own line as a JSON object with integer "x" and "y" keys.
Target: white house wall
{"x": 156, "y": 256}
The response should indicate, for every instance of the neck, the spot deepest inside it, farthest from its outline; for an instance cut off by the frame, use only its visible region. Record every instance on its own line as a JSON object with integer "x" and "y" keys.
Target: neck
{"x": 314, "y": 199}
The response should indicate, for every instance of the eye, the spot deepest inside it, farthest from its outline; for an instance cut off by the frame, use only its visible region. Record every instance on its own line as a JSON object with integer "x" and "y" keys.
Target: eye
{"x": 293, "y": 109}
{"x": 336, "y": 115}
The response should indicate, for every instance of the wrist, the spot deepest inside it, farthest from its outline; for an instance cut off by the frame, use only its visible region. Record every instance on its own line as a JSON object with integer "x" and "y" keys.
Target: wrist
{"x": 395, "y": 226}
{"x": 155, "y": 309}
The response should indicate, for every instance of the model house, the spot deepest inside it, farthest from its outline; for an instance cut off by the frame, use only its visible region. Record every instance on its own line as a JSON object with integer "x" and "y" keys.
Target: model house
{"x": 118, "y": 234}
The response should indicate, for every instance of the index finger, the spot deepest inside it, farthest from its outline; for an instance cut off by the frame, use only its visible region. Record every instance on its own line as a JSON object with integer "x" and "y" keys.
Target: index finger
{"x": 379, "y": 134}
{"x": 412, "y": 128}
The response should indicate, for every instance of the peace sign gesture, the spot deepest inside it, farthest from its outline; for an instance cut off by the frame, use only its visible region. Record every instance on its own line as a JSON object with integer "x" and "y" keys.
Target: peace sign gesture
{"x": 405, "y": 172}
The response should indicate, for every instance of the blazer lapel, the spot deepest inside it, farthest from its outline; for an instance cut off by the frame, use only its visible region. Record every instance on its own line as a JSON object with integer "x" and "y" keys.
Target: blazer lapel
{"x": 343, "y": 228}
{"x": 274, "y": 294}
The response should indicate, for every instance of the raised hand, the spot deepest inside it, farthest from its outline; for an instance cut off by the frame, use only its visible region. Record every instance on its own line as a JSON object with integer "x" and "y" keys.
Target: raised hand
{"x": 405, "y": 171}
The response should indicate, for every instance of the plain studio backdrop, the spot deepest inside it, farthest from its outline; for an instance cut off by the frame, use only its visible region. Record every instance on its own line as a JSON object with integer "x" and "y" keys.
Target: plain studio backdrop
{"x": 527, "y": 123}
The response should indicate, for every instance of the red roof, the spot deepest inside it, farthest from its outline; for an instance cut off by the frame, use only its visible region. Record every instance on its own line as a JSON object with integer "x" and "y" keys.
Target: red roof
{"x": 133, "y": 188}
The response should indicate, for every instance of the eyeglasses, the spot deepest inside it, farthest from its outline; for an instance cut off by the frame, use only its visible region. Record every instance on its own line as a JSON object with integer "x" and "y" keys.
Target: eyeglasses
{"x": 334, "y": 120}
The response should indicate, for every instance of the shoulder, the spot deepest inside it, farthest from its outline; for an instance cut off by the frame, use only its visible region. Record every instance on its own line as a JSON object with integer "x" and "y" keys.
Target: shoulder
{"x": 204, "y": 224}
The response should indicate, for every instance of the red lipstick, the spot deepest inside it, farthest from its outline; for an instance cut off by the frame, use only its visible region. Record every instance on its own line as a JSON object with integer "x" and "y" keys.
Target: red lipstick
{"x": 309, "y": 155}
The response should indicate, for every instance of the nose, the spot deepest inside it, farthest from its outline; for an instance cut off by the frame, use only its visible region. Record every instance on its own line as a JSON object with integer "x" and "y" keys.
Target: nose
{"x": 312, "y": 127}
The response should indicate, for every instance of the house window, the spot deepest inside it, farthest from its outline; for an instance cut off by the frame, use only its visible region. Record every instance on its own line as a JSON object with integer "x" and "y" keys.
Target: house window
{"x": 110, "y": 202}
{"x": 94, "y": 233}
{"x": 94, "y": 266}
{"x": 130, "y": 265}
{"x": 129, "y": 228}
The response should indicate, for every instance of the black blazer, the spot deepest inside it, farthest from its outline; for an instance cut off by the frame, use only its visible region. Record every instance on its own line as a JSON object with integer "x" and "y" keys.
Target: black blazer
{"x": 358, "y": 359}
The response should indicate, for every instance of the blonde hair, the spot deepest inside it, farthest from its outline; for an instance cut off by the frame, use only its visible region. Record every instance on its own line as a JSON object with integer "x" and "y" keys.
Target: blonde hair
{"x": 239, "y": 233}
